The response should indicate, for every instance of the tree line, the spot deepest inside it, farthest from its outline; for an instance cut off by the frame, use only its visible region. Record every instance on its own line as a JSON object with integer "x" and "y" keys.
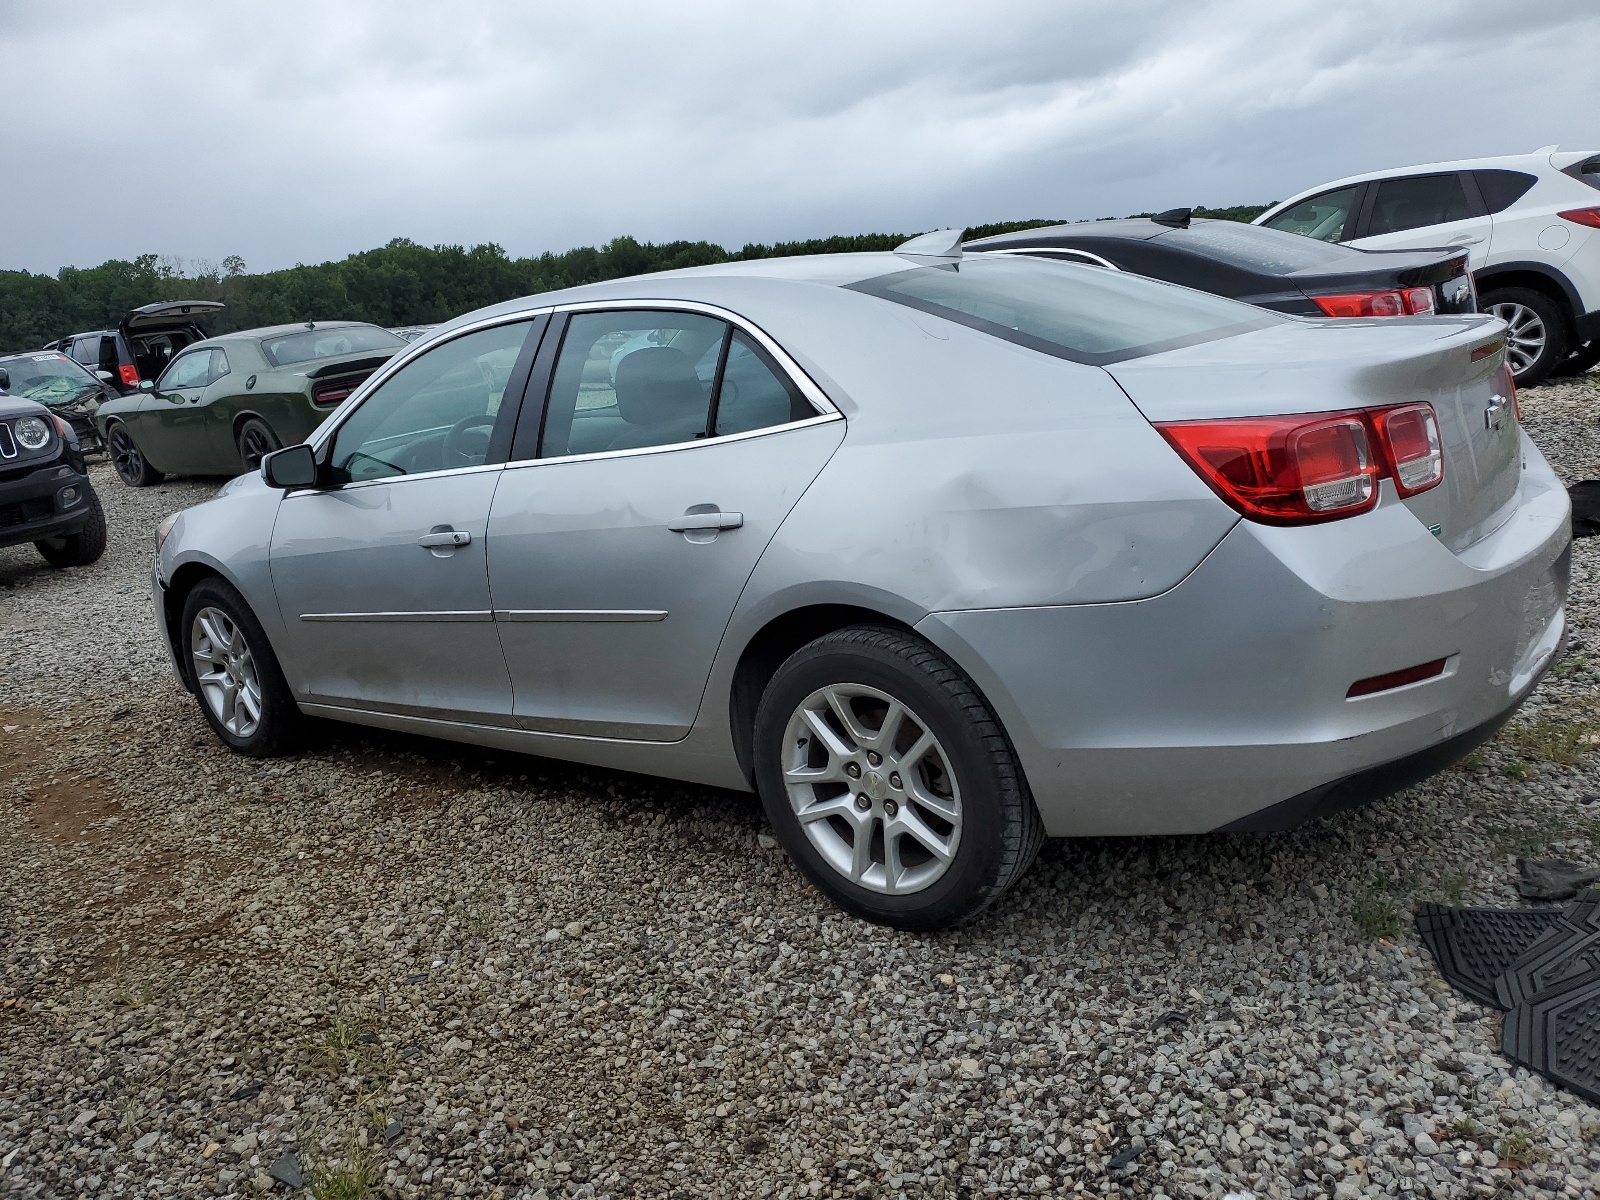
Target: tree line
{"x": 402, "y": 283}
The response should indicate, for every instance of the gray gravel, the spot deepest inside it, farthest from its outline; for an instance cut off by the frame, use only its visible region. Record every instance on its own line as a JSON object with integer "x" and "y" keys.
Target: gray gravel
{"x": 462, "y": 972}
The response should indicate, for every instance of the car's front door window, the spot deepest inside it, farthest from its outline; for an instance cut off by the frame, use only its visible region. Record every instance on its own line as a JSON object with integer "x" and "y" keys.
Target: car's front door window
{"x": 631, "y": 379}
{"x": 191, "y": 370}
{"x": 1417, "y": 201}
{"x": 1323, "y": 217}
{"x": 436, "y": 413}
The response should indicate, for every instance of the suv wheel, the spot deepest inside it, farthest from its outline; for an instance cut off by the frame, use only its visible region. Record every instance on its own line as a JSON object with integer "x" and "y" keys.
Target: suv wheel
{"x": 132, "y": 466}
{"x": 256, "y": 441}
{"x": 1536, "y": 340}
{"x": 236, "y": 676}
{"x": 81, "y": 548}
{"x": 889, "y": 780}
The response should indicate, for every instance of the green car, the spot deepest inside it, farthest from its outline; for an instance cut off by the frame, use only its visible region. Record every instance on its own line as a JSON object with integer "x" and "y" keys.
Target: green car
{"x": 223, "y": 403}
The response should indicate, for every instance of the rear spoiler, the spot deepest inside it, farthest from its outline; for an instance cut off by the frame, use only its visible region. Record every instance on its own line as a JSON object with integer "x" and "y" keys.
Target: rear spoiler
{"x": 349, "y": 367}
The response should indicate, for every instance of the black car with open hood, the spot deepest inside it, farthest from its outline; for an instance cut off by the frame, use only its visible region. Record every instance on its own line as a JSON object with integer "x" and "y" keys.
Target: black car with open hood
{"x": 1260, "y": 266}
{"x": 45, "y": 494}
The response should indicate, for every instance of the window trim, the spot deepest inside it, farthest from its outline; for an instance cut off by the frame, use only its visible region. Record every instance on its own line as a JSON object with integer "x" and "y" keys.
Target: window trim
{"x": 1054, "y": 254}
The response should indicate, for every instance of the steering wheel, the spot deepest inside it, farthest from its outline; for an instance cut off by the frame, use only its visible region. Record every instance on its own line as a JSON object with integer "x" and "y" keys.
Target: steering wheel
{"x": 459, "y": 450}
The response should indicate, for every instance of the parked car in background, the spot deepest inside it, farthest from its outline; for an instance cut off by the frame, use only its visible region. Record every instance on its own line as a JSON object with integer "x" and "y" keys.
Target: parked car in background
{"x": 939, "y": 561}
{"x": 223, "y": 403}
{"x": 1529, "y": 222}
{"x": 142, "y": 345}
{"x": 1259, "y": 266}
{"x": 412, "y": 333}
{"x": 66, "y": 388}
{"x": 45, "y": 494}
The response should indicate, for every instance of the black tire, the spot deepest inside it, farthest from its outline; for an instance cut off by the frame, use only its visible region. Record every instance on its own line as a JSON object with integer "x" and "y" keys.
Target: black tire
{"x": 1531, "y": 315}
{"x": 1000, "y": 829}
{"x": 81, "y": 548}
{"x": 256, "y": 440}
{"x": 279, "y": 725}
{"x": 132, "y": 467}
{"x": 1580, "y": 359}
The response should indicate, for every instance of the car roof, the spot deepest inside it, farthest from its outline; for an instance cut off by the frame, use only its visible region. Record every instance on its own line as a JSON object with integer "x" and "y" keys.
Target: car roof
{"x": 1140, "y": 229}
{"x": 1539, "y": 161}
{"x": 266, "y": 331}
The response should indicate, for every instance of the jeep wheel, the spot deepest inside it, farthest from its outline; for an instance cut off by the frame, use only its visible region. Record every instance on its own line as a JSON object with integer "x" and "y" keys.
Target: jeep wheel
{"x": 81, "y": 548}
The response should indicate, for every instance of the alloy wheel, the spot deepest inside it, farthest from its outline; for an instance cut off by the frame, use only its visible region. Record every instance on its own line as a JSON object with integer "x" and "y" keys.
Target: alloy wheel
{"x": 225, "y": 671}
{"x": 872, "y": 788}
{"x": 125, "y": 456}
{"x": 1525, "y": 336}
{"x": 253, "y": 447}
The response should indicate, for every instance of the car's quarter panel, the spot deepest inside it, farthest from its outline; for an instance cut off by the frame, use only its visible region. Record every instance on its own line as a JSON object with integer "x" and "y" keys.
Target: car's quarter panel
{"x": 376, "y": 619}
{"x": 1191, "y": 710}
{"x": 609, "y": 618}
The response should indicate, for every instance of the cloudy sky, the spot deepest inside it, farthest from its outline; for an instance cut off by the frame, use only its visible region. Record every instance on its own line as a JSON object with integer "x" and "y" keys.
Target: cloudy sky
{"x": 295, "y": 132}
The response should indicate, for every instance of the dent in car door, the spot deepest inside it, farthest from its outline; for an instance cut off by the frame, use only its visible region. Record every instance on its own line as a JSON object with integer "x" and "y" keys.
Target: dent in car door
{"x": 614, "y": 577}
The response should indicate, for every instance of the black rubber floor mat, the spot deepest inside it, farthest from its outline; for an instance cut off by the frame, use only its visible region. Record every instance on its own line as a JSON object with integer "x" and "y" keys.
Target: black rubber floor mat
{"x": 1558, "y": 1034}
{"x": 1473, "y": 947}
{"x": 1562, "y": 953}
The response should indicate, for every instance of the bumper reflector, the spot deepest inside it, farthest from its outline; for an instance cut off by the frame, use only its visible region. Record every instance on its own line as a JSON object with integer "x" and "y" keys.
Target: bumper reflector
{"x": 1396, "y": 679}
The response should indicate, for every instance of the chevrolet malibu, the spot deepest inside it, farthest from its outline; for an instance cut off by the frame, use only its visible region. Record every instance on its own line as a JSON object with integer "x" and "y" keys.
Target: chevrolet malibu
{"x": 938, "y": 556}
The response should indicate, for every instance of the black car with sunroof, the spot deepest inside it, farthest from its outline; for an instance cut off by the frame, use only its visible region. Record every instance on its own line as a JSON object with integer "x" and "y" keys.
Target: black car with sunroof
{"x": 1260, "y": 266}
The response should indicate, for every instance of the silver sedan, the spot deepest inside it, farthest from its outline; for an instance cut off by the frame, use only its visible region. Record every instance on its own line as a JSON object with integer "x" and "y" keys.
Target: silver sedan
{"x": 939, "y": 555}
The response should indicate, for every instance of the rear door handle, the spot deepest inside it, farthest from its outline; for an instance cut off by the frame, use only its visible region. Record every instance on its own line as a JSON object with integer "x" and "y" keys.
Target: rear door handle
{"x": 710, "y": 520}
{"x": 449, "y": 537}
{"x": 1465, "y": 239}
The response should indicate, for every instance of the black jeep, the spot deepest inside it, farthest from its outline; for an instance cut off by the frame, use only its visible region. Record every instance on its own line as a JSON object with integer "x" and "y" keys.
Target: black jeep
{"x": 45, "y": 496}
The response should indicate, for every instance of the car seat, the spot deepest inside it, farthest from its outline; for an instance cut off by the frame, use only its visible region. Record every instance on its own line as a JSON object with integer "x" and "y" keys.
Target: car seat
{"x": 660, "y": 397}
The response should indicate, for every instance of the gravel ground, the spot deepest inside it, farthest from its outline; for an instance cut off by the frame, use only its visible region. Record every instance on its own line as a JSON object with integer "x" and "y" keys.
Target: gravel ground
{"x": 446, "y": 971}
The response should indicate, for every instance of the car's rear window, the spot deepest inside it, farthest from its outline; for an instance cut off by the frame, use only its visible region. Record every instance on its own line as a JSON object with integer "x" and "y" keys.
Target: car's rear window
{"x": 290, "y": 348}
{"x": 1086, "y": 314}
{"x": 1257, "y": 248}
{"x": 1588, "y": 171}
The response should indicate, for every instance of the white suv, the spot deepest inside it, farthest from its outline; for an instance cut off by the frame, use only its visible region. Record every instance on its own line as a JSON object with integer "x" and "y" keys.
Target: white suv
{"x": 1530, "y": 224}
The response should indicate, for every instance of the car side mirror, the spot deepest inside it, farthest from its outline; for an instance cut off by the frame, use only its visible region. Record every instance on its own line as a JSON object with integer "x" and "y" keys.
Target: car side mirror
{"x": 5, "y": 380}
{"x": 291, "y": 467}
{"x": 104, "y": 376}
{"x": 147, "y": 385}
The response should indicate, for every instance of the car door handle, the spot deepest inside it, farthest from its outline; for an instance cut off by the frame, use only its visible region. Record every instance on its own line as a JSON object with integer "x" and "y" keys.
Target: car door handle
{"x": 1465, "y": 239}
{"x": 448, "y": 537}
{"x": 710, "y": 520}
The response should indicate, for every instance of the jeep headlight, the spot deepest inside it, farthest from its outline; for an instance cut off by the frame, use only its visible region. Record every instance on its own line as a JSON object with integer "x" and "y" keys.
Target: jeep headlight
{"x": 32, "y": 433}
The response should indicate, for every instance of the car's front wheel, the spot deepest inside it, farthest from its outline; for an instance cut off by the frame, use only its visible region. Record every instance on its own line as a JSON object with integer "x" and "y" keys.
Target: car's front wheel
{"x": 1536, "y": 333}
{"x": 131, "y": 465}
{"x": 236, "y": 676}
{"x": 256, "y": 441}
{"x": 890, "y": 782}
{"x": 81, "y": 548}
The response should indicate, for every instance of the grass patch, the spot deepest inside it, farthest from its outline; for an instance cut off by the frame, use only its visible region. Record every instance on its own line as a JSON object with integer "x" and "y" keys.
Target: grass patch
{"x": 1376, "y": 915}
{"x": 350, "y": 1046}
{"x": 1473, "y": 762}
{"x": 1563, "y": 743}
{"x": 1515, "y": 769}
{"x": 1568, "y": 665}
{"x": 1518, "y": 1149}
{"x": 354, "y": 1179}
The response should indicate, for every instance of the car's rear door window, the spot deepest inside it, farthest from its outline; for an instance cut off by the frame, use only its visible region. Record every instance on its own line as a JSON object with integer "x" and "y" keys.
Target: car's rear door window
{"x": 1085, "y": 314}
{"x": 1417, "y": 201}
{"x": 630, "y": 379}
{"x": 754, "y": 393}
{"x": 1325, "y": 217}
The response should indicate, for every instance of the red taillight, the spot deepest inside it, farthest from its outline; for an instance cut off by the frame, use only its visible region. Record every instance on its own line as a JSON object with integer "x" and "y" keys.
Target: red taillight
{"x": 1511, "y": 388}
{"x": 1310, "y": 467}
{"x": 129, "y": 374}
{"x": 329, "y": 394}
{"x": 1408, "y": 303}
{"x": 1582, "y": 216}
{"x": 1411, "y": 435}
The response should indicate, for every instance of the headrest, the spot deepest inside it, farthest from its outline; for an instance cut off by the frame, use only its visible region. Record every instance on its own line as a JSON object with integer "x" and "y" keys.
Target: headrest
{"x": 658, "y": 384}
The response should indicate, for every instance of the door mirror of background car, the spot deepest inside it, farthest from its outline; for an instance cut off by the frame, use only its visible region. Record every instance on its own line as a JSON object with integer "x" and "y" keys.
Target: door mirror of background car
{"x": 104, "y": 376}
{"x": 291, "y": 467}
{"x": 147, "y": 385}
{"x": 5, "y": 380}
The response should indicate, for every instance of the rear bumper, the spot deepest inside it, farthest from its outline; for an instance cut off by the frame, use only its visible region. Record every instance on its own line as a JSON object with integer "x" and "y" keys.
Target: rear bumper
{"x": 1213, "y": 704}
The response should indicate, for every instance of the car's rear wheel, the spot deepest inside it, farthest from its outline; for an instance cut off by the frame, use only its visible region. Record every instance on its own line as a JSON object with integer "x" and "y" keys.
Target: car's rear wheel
{"x": 81, "y": 548}
{"x": 1536, "y": 334}
{"x": 256, "y": 441}
{"x": 131, "y": 465}
{"x": 235, "y": 674}
{"x": 890, "y": 782}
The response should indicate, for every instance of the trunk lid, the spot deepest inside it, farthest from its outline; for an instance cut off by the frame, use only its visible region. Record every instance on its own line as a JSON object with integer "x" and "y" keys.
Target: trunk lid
{"x": 1311, "y": 366}
{"x": 170, "y": 314}
{"x": 1445, "y": 271}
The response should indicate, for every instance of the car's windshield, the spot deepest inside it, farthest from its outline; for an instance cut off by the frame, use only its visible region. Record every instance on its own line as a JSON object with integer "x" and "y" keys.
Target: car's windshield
{"x": 1085, "y": 314}
{"x": 47, "y": 378}
{"x": 289, "y": 348}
